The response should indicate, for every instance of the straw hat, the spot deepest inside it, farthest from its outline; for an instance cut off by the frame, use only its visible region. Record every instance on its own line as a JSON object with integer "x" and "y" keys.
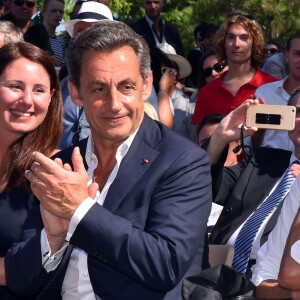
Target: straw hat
{"x": 90, "y": 11}
{"x": 183, "y": 64}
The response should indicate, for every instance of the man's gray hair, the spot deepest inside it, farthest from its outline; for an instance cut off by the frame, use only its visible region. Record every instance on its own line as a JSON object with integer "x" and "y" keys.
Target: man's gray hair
{"x": 10, "y": 32}
{"x": 106, "y": 36}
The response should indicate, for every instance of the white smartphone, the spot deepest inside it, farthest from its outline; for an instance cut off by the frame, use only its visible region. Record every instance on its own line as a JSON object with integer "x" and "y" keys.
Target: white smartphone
{"x": 266, "y": 116}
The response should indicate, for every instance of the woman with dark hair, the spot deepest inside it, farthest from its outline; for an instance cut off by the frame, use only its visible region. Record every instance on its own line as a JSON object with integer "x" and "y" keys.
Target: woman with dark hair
{"x": 210, "y": 68}
{"x": 30, "y": 120}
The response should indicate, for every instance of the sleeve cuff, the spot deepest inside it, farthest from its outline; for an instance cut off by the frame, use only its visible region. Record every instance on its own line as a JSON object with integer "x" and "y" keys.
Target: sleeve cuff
{"x": 49, "y": 261}
{"x": 80, "y": 212}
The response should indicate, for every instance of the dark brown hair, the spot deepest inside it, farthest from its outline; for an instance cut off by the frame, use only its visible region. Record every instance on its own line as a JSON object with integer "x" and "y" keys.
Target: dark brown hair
{"x": 255, "y": 33}
{"x": 47, "y": 135}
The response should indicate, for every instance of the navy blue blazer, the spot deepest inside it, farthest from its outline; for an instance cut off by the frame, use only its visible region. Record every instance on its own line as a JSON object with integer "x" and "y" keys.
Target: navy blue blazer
{"x": 170, "y": 32}
{"x": 148, "y": 235}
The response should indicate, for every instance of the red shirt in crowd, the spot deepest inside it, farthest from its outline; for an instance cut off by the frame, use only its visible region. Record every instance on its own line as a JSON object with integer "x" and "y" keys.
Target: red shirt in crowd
{"x": 216, "y": 98}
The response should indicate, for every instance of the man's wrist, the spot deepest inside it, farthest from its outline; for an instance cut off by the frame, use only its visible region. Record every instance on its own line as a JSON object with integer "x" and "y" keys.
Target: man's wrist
{"x": 56, "y": 243}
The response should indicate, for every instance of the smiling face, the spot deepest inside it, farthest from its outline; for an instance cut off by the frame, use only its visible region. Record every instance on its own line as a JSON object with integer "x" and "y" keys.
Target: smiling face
{"x": 112, "y": 93}
{"x": 24, "y": 98}
{"x": 238, "y": 45}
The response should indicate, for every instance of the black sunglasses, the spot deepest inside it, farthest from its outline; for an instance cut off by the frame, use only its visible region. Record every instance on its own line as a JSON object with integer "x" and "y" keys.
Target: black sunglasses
{"x": 218, "y": 67}
{"x": 271, "y": 50}
{"x": 29, "y": 4}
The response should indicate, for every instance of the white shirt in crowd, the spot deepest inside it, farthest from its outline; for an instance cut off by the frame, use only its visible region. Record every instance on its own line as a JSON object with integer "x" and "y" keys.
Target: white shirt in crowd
{"x": 269, "y": 256}
{"x": 274, "y": 94}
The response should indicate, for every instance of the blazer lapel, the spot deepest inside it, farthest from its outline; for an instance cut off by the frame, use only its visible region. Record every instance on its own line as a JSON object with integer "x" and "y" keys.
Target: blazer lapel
{"x": 137, "y": 161}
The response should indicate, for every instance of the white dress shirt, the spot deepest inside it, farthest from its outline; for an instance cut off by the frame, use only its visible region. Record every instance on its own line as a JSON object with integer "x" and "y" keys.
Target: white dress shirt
{"x": 269, "y": 256}
{"x": 150, "y": 22}
{"x": 275, "y": 94}
{"x": 77, "y": 283}
{"x": 256, "y": 243}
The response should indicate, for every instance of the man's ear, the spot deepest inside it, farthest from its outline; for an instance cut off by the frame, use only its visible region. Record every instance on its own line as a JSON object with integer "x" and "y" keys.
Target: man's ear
{"x": 74, "y": 93}
{"x": 147, "y": 87}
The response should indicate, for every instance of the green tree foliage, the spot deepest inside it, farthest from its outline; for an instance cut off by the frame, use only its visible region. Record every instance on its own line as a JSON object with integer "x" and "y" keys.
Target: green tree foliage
{"x": 278, "y": 18}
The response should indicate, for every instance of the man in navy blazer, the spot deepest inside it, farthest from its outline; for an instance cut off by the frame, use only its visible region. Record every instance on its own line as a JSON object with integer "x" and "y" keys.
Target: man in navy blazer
{"x": 125, "y": 212}
{"x": 155, "y": 30}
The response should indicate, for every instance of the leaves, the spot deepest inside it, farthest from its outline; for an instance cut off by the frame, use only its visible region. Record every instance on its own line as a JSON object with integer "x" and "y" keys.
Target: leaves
{"x": 278, "y": 18}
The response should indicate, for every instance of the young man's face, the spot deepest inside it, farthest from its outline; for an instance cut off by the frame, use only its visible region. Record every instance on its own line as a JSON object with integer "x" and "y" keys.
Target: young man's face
{"x": 238, "y": 45}
{"x": 53, "y": 13}
{"x": 153, "y": 8}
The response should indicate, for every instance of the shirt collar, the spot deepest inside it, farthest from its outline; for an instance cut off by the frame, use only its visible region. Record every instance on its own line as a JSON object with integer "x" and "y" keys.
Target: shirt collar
{"x": 150, "y": 22}
{"x": 122, "y": 150}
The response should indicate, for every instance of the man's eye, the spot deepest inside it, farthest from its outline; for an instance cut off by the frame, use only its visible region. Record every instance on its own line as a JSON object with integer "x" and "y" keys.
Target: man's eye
{"x": 99, "y": 89}
{"x": 244, "y": 37}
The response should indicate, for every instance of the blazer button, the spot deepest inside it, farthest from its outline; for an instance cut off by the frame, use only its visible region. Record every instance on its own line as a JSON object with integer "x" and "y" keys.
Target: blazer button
{"x": 228, "y": 210}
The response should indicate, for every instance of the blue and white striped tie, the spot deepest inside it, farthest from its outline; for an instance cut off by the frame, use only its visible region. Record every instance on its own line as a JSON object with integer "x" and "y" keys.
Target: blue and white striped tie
{"x": 245, "y": 238}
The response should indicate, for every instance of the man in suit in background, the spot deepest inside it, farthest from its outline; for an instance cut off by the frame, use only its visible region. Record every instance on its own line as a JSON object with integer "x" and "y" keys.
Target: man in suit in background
{"x": 134, "y": 224}
{"x": 154, "y": 29}
{"x": 242, "y": 188}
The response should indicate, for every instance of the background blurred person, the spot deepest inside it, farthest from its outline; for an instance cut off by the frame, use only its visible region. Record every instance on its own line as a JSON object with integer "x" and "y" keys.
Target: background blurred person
{"x": 30, "y": 120}
{"x": 210, "y": 68}
{"x": 52, "y": 12}
{"x": 9, "y": 33}
{"x": 204, "y": 40}
{"x": 272, "y": 47}
{"x": 240, "y": 44}
{"x": 154, "y": 29}
{"x": 21, "y": 12}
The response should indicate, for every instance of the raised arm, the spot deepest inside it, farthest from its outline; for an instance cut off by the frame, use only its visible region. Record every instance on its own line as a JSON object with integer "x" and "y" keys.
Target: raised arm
{"x": 229, "y": 130}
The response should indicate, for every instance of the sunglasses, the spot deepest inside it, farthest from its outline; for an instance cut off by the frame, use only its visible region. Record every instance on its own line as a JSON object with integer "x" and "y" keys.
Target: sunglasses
{"x": 218, "y": 67}
{"x": 271, "y": 50}
{"x": 29, "y": 4}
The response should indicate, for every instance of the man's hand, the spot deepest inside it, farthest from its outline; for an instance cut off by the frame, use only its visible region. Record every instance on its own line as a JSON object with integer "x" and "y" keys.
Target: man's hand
{"x": 295, "y": 169}
{"x": 59, "y": 189}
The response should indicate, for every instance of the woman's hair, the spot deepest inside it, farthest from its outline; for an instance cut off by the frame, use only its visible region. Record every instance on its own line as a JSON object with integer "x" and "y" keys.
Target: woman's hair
{"x": 47, "y": 135}
{"x": 201, "y": 78}
{"x": 255, "y": 33}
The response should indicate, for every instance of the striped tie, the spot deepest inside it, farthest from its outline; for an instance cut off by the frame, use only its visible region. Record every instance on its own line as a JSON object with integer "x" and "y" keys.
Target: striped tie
{"x": 245, "y": 238}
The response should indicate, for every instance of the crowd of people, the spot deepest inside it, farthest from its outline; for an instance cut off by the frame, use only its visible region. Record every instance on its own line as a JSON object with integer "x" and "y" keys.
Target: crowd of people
{"x": 117, "y": 147}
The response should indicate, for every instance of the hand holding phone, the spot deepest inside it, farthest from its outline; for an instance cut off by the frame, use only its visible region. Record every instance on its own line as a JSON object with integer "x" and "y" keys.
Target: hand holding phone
{"x": 279, "y": 117}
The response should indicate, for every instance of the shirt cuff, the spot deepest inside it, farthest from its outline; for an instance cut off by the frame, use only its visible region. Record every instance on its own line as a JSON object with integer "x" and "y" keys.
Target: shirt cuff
{"x": 79, "y": 213}
{"x": 49, "y": 261}
{"x": 295, "y": 251}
